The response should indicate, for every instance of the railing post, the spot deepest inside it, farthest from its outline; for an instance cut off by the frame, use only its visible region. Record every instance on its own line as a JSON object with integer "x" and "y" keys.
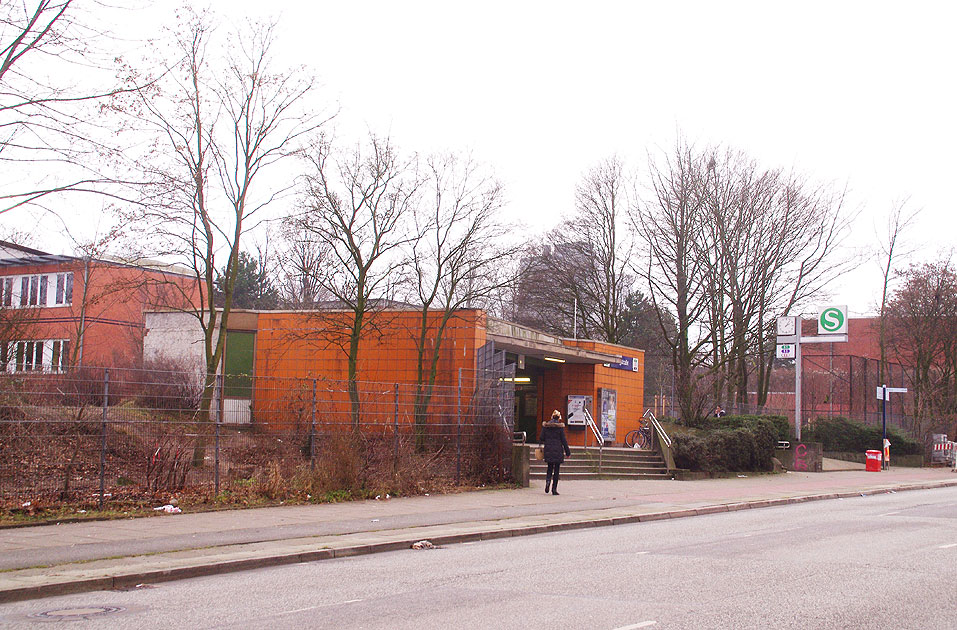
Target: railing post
{"x": 312, "y": 430}
{"x": 395, "y": 460}
{"x": 601, "y": 446}
{"x": 106, "y": 402}
{"x": 458, "y": 432}
{"x": 219, "y": 419}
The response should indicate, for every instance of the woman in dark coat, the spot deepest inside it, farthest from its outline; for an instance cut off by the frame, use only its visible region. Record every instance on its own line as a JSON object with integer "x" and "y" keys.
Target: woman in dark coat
{"x": 556, "y": 449}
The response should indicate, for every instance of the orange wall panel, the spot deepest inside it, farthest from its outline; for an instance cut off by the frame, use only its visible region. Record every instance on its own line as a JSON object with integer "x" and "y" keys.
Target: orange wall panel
{"x": 312, "y": 345}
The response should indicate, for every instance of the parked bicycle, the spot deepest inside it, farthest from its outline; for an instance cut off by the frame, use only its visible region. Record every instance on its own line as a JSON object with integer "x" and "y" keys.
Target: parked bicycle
{"x": 640, "y": 437}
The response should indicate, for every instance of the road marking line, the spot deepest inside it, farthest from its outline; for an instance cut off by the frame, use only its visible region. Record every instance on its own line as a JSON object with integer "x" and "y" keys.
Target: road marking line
{"x": 948, "y": 546}
{"x": 643, "y": 624}
{"x": 641, "y": 553}
{"x": 293, "y": 612}
{"x": 890, "y": 513}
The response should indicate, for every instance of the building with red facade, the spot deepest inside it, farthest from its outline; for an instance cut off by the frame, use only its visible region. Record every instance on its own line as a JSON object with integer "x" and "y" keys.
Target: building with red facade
{"x": 60, "y": 311}
{"x": 273, "y": 357}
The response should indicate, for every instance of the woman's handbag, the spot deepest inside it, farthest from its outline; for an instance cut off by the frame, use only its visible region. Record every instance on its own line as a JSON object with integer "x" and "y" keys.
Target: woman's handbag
{"x": 539, "y": 453}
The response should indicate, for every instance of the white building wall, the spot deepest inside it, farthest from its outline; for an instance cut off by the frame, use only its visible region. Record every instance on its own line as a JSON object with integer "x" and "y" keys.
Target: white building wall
{"x": 174, "y": 339}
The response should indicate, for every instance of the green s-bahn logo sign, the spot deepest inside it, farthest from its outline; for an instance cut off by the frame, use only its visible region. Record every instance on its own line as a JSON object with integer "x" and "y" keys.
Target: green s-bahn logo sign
{"x": 832, "y": 320}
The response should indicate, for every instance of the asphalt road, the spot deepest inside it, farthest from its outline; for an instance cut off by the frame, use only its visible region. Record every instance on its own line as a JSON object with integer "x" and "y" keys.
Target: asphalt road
{"x": 885, "y": 561}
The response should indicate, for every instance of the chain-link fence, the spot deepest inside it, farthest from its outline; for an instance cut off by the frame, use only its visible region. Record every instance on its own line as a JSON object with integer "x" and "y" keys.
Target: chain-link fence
{"x": 832, "y": 385}
{"x": 96, "y": 435}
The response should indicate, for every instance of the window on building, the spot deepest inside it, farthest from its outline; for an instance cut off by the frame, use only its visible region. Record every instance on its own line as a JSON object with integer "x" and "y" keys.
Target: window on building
{"x": 33, "y": 291}
{"x": 61, "y": 355}
{"x": 28, "y": 356}
{"x": 50, "y": 289}
{"x": 6, "y": 292}
{"x": 64, "y": 288}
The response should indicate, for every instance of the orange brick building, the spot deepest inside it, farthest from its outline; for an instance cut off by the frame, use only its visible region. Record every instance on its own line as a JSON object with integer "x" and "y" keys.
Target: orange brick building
{"x": 274, "y": 358}
{"x": 72, "y": 311}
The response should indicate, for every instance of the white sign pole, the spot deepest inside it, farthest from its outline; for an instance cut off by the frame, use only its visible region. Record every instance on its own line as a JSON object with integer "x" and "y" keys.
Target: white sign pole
{"x": 833, "y": 320}
{"x": 797, "y": 383}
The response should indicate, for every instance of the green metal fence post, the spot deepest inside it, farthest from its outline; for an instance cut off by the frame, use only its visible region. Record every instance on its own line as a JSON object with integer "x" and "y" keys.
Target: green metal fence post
{"x": 458, "y": 433}
{"x": 219, "y": 419}
{"x": 106, "y": 402}
{"x": 395, "y": 461}
{"x": 312, "y": 429}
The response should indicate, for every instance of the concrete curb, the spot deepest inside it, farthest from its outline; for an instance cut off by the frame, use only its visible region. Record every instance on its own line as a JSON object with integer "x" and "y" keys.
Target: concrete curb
{"x": 130, "y": 580}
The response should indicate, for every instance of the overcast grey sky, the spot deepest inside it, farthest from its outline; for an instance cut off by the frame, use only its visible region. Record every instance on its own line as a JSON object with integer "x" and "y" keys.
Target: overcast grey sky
{"x": 860, "y": 94}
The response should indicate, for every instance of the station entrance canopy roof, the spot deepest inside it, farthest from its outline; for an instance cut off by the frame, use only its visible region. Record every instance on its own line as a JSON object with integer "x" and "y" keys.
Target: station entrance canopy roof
{"x": 534, "y": 343}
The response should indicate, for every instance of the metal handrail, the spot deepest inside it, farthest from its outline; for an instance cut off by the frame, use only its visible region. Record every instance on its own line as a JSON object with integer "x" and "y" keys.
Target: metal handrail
{"x": 594, "y": 428}
{"x": 662, "y": 435}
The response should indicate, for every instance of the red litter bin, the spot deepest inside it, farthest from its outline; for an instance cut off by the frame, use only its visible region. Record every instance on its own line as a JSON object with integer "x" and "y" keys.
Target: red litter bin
{"x": 873, "y": 461}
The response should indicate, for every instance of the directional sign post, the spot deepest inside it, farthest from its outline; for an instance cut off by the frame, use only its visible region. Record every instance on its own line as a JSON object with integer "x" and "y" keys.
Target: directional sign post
{"x": 832, "y": 326}
{"x": 884, "y": 394}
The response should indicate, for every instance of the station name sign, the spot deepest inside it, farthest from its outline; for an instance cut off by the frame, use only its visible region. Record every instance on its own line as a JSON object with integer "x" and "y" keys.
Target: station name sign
{"x": 626, "y": 363}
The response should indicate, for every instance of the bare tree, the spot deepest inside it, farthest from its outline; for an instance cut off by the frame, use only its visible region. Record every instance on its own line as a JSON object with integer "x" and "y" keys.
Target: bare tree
{"x": 598, "y": 224}
{"x": 579, "y": 283}
{"x": 358, "y": 206}
{"x": 58, "y": 83}
{"x": 899, "y": 219}
{"x": 922, "y": 322}
{"x": 456, "y": 259}
{"x": 802, "y": 236}
{"x": 771, "y": 241}
{"x": 300, "y": 260}
{"x": 669, "y": 228}
{"x": 728, "y": 245}
{"x": 223, "y": 121}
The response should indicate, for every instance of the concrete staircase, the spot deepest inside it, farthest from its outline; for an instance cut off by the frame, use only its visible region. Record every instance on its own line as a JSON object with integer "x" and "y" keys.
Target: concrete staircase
{"x": 616, "y": 463}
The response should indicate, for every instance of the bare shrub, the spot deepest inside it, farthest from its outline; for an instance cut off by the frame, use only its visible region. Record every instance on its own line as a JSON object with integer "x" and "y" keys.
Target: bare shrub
{"x": 168, "y": 465}
{"x": 165, "y": 385}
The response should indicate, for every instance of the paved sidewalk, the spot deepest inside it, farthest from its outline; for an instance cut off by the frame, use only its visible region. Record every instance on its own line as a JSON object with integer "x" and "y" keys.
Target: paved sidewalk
{"x": 56, "y": 559}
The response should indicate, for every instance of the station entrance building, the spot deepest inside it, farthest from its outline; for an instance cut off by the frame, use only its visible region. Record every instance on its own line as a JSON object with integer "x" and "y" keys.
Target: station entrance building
{"x": 266, "y": 350}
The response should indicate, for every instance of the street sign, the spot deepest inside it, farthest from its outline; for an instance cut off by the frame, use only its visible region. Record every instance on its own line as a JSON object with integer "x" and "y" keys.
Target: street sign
{"x": 785, "y": 351}
{"x": 832, "y": 320}
{"x": 881, "y": 391}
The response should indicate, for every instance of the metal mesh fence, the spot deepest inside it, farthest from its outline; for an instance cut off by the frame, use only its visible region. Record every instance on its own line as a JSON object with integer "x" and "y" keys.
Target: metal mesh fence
{"x": 97, "y": 435}
{"x": 832, "y": 385}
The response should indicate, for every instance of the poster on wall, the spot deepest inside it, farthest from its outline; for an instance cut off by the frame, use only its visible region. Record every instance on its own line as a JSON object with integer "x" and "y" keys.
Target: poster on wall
{"x": 609, "y": 413}
{"x": 575, "y": 414}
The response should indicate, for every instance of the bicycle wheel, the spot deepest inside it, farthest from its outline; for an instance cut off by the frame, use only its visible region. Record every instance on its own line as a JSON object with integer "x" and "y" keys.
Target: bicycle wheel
{"x": 631, "y": 437}
{"x": 643, "y": 440}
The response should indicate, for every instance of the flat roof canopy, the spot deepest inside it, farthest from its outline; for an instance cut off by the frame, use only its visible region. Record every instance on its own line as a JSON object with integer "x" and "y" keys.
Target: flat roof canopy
{"x": 41, "y": 259}
{"x": 533, "y": 343}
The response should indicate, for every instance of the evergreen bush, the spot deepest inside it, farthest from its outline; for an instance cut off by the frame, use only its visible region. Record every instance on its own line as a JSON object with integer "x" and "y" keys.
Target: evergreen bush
{"x": 731, "y": 444}
{"x": 849, "y": 436}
